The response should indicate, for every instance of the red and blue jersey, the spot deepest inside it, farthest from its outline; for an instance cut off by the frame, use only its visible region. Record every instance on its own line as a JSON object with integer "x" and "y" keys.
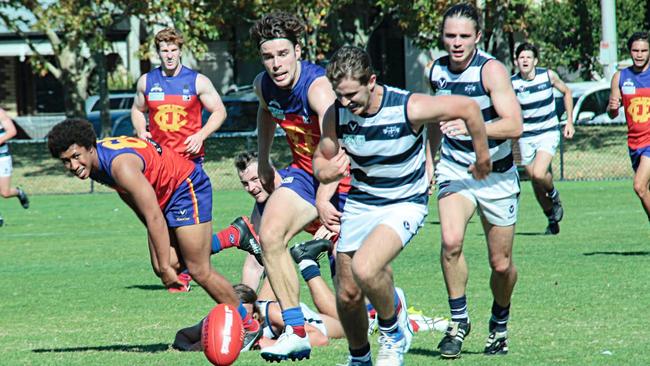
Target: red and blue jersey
{"x": 174, "y": 108}
{"x": 290, "y": 109}
{"x": 164, "y": 169}
{"x": 635, "y": 91}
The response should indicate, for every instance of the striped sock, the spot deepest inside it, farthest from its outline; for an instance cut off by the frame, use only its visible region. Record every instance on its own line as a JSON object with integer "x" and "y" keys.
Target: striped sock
{"x": 309, "y": 269}
{"x": 499, "y": 319}
{"x": 458, "y": 307}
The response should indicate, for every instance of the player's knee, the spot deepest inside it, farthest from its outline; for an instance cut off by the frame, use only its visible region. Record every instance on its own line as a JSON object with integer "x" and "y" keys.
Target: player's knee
{"x": 200, "y": 273}
{"x": 5, "y": 193}
{"x": 363, "y": 271}
{"x": 452, "y": 245}
{"x": 641, "y": 188}
{"x": 347, "y": 296}
{"x": 501, "y": 265}
{"x": 272, "y": 240}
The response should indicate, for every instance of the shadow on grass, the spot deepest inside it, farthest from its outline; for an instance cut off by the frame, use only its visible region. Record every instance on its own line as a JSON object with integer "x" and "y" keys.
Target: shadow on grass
{"x": 434, "y": 353}
{"x": 146, "y": 287}
{"x": 531, "y": 234}
{"x": 640, "y": 253}
{"x": 141, "y": 348}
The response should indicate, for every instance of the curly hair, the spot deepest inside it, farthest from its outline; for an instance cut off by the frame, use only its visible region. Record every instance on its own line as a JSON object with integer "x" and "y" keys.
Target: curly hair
{"x": 349, "y": 62}
{"x": 169, "y": 35}
{"x": 69, "y": 132}
{"x": 279, "y": 24}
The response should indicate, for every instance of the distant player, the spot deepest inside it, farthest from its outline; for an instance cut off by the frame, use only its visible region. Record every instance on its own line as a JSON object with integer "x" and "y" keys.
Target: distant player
{"x": 378, "y": 131}
{"x": 170, "y": 195}
{"x": 7, "y": 131}
{"x": 541, "y": 137}
{"x": 174, "y": 95}
{"x": 294, "y": 94}
{"x": 632, "y": 86}
{"x": 469, "y": 71}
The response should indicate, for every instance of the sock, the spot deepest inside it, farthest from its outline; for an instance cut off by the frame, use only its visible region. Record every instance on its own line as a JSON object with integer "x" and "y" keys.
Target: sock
{"x": 332, "y": 260}
{"x": 499, "y": 319}
{"x": 295, "y": 318}
{"x": 389, "y": 326}
{"x": 396, "y": 302}
{"x": 247, "y": 319}
{"x": 458, "y": 309}
{"x": 224, "y": 239}
{"x": 361, "y": 354}
{"x": 552, "y": 194}
{"x": 309, "y": 269}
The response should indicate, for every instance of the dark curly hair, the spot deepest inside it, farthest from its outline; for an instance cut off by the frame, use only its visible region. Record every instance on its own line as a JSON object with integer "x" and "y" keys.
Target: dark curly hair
{"x": 71, "y": 131}
{"x": 279, "y": 24}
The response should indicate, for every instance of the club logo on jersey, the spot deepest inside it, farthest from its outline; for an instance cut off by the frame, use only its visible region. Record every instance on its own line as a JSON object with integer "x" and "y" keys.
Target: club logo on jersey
{"x": 276, "y": 110}
{"x": 521, "y": 89}
{"x": 639, "y": 109}
{"x": 442, "y": 83}
{"x": 469, "y": 89}
{"x": 186, "y": 93}
{"x": 391, "y": 131}
{"x": 170, "y": 117}
{"x": 353, "y": 126}
{"x": 156, "y": 93}
{"x": 354, "y": 140}
{"x": 628, "y": 87}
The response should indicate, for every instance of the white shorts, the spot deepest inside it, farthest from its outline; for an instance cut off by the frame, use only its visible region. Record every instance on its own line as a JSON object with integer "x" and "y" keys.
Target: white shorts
{"x": 360, "y": 220}
{"x": 496, "y": 197}
{"x": 5, "y": 166}
{"x": 547, "y": 141}
{"x": 313, "y": 318}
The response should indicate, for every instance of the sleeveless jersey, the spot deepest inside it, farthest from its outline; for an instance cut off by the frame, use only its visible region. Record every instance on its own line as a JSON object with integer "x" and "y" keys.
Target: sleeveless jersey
{"x": 459, "y": 149}
{"x": 635, "y": 90}
{"x": 4, "y": 147}
{"x": 387, "y": 158}
{"x": 174, "y": 108}
{"x": 537, "y": 103}
{"x": 164, "y": 169}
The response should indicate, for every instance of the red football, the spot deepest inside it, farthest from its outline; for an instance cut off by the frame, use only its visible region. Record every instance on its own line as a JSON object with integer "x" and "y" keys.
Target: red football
{"x": 222, "y": 335}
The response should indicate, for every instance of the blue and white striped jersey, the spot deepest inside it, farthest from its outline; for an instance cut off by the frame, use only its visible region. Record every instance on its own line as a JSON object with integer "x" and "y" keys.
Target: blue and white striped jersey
{"x": 537, "y": 102}
{"x": 459, "y": 149}
{"x": 387, "y": 158}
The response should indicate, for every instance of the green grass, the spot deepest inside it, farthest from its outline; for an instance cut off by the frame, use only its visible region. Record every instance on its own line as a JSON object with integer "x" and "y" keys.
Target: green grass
{"x": 78, "y": 288}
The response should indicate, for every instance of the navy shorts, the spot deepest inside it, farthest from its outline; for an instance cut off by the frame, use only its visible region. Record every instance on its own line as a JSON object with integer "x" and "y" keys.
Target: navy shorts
{"x": 306, "y": 186}
{"x": 635, "y": 155}
{"x": 191, "y": 203}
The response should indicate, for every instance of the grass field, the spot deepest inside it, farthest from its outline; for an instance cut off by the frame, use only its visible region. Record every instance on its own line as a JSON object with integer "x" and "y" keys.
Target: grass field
{"x": 78, "y": 288}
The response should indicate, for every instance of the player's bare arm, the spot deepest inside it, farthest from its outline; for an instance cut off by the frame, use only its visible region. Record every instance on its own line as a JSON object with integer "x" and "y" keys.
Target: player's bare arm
{"x": 496, "y": 81}
{"x": 321, "y": 97}
{"x": 265, "y": 134}
{"x": 139, "y": 108}
{"x": 127, "y": 172}
{"x": 8, "y": 125}
{"x": 422, "y": 109}
{"x": 211, "y": 102}
{"x": 614, "y": 96}
{"x": 330, "y": 162}
{"x": 567, "y": 98}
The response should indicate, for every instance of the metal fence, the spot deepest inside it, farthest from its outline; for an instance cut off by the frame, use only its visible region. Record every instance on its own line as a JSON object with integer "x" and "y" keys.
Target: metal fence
{"x": 596, "y": 152}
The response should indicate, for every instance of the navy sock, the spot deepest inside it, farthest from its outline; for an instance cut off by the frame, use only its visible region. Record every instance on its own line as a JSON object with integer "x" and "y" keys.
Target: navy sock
{"x": 458, "y": 309}
{"x": 499, "y": 319}
{"x": 361, "y": 353}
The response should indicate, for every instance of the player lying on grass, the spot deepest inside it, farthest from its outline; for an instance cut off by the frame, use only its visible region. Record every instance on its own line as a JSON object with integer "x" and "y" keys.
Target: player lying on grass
{"x": 170, "y": 195}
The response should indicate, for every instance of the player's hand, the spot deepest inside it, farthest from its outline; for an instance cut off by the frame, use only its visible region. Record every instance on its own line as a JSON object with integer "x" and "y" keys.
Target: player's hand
{"x": 193, "y": 143}
{"x": 170, "y": 279}
{"x": 341, "y": 164}
{"x": 266, "y": 175}
{"x": 454, "y": 127}
{"x": 329, "y": 216}
{"x": 569, "y": 130}
{"x": 481, "y": 168}
{"x": 146, "y": 135}
{"x": 614, "y": 103}
{"x": 325, "y": 233}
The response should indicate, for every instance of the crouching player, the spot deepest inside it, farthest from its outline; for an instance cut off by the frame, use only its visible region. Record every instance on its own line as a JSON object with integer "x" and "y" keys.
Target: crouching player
{"x": 171, "y": 195}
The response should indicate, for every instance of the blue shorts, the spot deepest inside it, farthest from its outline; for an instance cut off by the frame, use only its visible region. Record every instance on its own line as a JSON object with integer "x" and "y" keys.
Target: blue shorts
{"x": 306, "y": 186}
{"x": 635, "y": 155}
{"x": 191, "y": 203}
